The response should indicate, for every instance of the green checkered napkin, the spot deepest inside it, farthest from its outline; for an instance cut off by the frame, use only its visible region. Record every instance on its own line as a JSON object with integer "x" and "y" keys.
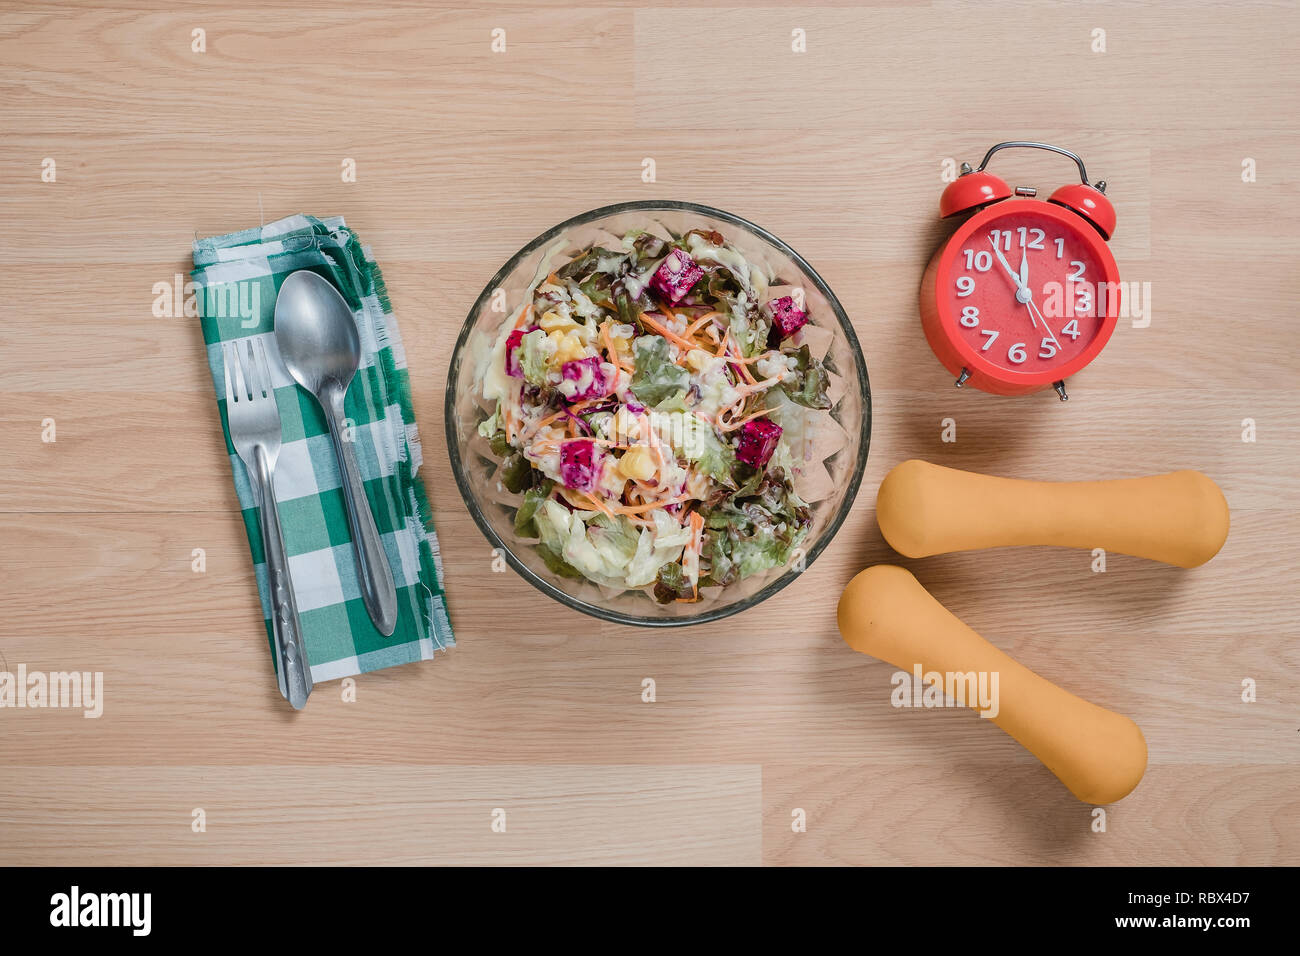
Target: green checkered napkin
{"x": 238, "y": 277}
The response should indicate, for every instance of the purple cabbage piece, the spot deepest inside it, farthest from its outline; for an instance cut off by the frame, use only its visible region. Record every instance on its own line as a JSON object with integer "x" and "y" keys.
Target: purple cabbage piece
{"x": 787, "y": 318}
{"x": 513, "y": 368}
{"x": 581, "y": 425}
{"x": 587, "y": 372}
{"x": 675, "y": 276}
{"x": 578, "y": 464}
{"x": 608, "y": 406}
{"x": 758, "y": 440}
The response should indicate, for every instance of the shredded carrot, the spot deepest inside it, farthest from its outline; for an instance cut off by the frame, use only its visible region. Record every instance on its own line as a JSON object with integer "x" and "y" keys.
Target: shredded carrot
{"x": 695, "y": 326}
{"x": 726, "y": 350}
{"x": 691, "y": 556}
{"x": 732, "y": 426}
{"x": 637, "y": 509}
{"x": 652, "y": 438}
{"x": 600, "y": 505}
{"x": 758, "y": 386}
{"x": 584, "y": 501}
{"x": 608, "y": 341}
{"x": 733, "y": 407}
{"x": 641, "y": 489}
{"x": 726, "y": 340}
{"x": 523, "y": 316}
{"x": 667, "y": 333}
{"x": 743, "y": 392}
{"x": 546, "y": 421}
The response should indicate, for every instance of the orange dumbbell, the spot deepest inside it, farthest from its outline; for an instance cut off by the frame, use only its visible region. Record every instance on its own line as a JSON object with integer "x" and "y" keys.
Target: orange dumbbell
{"x": 1098, "y": 754}
{"x": 1180, "y": 518}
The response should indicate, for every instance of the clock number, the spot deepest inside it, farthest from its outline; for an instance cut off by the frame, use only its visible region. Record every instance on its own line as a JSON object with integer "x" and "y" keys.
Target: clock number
{"x": 1071, "y": 329}
{"x": 1035, "y": 243}
{"x": 992, "y": 335}
{"x": 970, "y": 316}
{"x": 1017, "y": 353}
{"x": 1046, "y": 349}
{"x": 1083, "y": 299}
{"x": 1005, "y": 238}
{"x": 965, "y": 286}
{"x": 981, "y": 261}
{"x": 1060, "y": 248}
{"x": 1079, "y": 268}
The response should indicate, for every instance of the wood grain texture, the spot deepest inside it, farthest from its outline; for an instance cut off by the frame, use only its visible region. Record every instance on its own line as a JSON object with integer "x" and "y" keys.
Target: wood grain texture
{"x": 463, "y": 156}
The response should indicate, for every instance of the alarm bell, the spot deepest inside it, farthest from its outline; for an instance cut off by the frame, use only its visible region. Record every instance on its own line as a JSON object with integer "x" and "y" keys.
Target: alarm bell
{"x": 1090, "y": 203}
{"x": 976, "y": 188}
{"x": 970, "y": 191}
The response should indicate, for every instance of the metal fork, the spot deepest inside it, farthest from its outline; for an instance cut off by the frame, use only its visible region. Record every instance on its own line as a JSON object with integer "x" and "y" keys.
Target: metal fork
{"x": 255, "y": 432}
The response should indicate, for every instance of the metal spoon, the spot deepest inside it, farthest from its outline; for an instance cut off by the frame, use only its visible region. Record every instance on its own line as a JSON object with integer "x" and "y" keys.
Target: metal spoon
{"x": 320, "y": 347}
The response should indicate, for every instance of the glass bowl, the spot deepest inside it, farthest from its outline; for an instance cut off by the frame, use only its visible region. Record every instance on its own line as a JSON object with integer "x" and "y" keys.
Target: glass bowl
{"x": 843, "y": 439}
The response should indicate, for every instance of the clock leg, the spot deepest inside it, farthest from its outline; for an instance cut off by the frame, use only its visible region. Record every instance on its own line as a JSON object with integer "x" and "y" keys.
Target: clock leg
{"x": 961, "y": 379}
{"x": 1060, "y": 390}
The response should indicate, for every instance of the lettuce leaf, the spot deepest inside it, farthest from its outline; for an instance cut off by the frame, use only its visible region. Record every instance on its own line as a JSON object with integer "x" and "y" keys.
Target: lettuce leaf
{"x": 557, "y": 564}
{"x": 671, "y": 584}
{"x": 615, "y": 537}
{"x": 496, "y": 437}
{"x": 534, "y": 349}
{"x": 590, "y": 262}
{"x": 526, "y": 515}
{"x": 629, "y": 306}
{"x": 810, "y": 381}
{"x": 648, "y": 247}
{"x": 517, "y": 473}
{"x": 657, "y": 377}
{"x": 750, "y": 332}
{"x": 701, "y": 444}
{"x": 753, "y": 529}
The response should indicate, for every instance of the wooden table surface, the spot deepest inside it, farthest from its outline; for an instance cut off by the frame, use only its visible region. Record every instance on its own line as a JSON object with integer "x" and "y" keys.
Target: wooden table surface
{"x": 462, "y": 155}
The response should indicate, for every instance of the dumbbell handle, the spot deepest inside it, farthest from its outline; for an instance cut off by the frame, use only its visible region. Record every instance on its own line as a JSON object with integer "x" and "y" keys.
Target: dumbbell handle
{"x": 1098, "y": 754}
{"x": 1179, "y": 518}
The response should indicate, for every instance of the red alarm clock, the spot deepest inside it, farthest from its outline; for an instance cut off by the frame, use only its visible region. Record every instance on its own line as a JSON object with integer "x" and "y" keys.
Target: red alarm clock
{"x": 1025, "y": 292}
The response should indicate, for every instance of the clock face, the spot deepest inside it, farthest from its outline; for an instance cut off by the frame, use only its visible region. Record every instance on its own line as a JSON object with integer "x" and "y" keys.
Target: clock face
{"x": 1027, "y": 292}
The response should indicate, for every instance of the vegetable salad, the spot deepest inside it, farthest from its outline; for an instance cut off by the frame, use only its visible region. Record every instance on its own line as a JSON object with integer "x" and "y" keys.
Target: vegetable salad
{"x": 639, "y": 396}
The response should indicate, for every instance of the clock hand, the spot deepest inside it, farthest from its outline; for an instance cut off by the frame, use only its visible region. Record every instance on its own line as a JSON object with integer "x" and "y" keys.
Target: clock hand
{"x": 1023, "y": 294}
{"x": 1051, "y": 335}
{"x": 1029, "y": 297}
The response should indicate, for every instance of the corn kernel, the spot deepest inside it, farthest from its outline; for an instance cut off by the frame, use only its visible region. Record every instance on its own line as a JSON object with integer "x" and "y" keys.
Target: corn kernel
{"x": 552, "y": 321}
{"x": 698, "y": 359}
{"x": 568, "y": 348}
{"x": 637, "y": 463}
